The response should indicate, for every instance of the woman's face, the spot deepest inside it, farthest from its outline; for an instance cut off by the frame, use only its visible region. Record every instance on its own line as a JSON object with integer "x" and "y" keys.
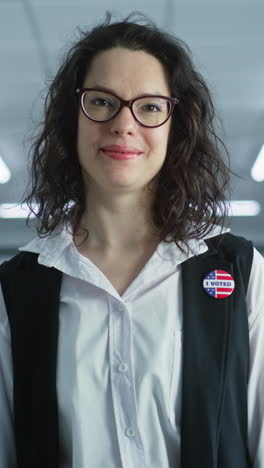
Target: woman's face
{"x": 128, "y": 74}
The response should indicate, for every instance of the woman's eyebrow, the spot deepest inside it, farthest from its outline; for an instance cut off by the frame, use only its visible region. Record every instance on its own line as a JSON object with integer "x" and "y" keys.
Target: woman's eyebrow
{"x": 109, "y": 90}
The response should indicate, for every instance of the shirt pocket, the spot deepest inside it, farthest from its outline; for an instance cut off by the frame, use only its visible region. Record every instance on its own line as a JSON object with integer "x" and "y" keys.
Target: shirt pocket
{"x": 175, "y": 393}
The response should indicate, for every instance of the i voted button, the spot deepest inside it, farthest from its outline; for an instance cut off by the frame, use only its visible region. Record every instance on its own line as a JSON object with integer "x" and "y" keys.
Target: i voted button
{"x": 218, "y": 284}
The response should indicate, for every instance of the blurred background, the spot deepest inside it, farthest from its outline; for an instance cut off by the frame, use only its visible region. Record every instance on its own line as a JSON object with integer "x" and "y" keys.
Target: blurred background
{"x": 227, "y": 41}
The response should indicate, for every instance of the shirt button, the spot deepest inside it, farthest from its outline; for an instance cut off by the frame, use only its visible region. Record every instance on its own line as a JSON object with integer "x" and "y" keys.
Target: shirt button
{"x": 129, "y": 432}
{"x": 122, "y": 367}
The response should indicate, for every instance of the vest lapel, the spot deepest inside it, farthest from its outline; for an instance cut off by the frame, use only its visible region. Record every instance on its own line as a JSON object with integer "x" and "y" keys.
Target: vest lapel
{"x": 206, "y": 327}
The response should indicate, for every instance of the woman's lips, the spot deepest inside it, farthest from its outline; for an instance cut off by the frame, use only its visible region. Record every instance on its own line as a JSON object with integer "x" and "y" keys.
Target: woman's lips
{"x": 121, "y": 152}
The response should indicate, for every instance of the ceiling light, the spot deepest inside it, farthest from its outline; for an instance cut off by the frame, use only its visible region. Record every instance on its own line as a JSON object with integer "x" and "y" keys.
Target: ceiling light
{"x": 244, "y": 208}
{"x": 13, "y": 210}
{"x": 5, "y": 174}
{"x": 257, "y": 171}
{"x": 234, "y": 207}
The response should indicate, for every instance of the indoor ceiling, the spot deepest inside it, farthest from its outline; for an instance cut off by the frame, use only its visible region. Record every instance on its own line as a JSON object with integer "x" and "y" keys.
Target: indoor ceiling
{"x": 227, "y": 41}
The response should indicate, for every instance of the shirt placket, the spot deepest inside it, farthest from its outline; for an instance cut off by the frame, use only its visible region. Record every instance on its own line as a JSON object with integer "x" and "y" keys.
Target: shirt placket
{"x": 123, "y": 387}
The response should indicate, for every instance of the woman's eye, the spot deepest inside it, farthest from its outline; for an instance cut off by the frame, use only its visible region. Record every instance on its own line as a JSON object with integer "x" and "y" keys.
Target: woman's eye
{"x": 101, "y": 102}
{"x": 151, "y": 108}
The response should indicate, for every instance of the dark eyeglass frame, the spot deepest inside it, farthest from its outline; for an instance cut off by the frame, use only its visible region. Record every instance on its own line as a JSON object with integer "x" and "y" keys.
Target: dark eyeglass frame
{"x": 129, "y": 104}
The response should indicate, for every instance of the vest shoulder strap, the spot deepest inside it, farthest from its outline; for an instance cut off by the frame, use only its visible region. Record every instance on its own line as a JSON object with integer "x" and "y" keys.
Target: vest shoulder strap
{"x": 32, "y": 294}
{"x": 215, "y": 359}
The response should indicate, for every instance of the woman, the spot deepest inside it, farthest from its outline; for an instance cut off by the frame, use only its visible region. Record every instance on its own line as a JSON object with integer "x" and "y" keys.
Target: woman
{"x": 124, "y": 351}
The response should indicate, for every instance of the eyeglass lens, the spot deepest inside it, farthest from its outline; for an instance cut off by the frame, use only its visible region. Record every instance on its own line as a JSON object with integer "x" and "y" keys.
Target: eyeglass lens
{"x": 101, "y": 106}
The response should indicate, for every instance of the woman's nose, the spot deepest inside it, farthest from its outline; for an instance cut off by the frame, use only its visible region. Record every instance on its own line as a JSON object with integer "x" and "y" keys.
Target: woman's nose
{"x": 123, "y": 122}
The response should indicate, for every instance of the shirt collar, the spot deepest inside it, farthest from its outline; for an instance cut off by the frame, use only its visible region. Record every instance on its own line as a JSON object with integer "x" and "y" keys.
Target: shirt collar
{"x": 53, "y": 248}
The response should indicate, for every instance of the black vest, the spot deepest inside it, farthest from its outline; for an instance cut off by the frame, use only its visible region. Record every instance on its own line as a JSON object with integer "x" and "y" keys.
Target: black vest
{"x": 215, "y": 358}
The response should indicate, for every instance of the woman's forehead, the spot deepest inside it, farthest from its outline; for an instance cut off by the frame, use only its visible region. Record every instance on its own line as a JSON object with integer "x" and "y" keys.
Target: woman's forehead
{"x": 123, "y": 68}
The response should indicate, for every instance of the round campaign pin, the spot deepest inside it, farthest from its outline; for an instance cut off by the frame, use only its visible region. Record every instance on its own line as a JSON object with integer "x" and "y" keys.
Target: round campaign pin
{"x": 218, "y": 284}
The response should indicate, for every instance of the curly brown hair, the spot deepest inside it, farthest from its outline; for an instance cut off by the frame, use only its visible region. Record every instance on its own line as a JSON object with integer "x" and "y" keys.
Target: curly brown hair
{"x": 190, "y": 195}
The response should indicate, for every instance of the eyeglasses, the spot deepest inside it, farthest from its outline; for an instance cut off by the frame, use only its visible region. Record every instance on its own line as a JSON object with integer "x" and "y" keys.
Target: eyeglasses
{"x": 149, "y": 111}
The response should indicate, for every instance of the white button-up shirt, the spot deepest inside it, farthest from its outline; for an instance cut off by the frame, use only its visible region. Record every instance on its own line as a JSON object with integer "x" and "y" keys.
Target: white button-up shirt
{"x": 119, "y": 361}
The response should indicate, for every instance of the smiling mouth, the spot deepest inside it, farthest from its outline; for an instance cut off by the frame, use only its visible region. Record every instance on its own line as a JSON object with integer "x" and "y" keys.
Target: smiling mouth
{"x": 121, "y": 154}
